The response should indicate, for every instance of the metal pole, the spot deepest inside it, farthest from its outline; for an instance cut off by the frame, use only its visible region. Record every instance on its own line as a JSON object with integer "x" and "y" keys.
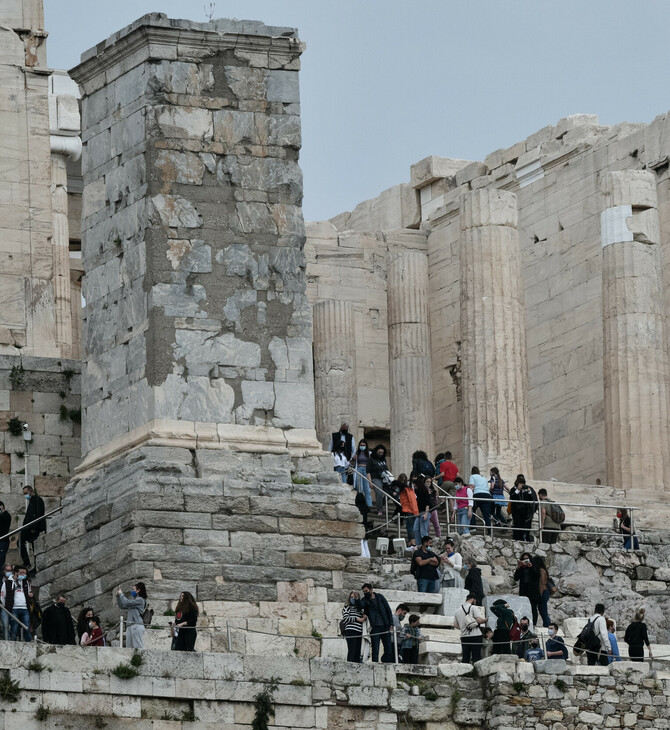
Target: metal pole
{"x": 631, "y": 545}
{"x": 539, "y": 522}
{"x": 230, "y": 636}
{"x": 395, "y": 644}
{"x": 121, "y": 632}
{"x": 448, "y": 520}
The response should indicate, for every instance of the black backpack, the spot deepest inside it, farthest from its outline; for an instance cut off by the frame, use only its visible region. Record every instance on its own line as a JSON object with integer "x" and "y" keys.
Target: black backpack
{"x": 413, "y": 566}
{"x": 587, "y": 636}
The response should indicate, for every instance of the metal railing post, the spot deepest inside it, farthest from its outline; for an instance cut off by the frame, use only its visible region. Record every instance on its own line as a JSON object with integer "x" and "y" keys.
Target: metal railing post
{"x": 448, "y": 518}
{"x": 121, "y": 632}
{"x": 631, "y": 543}
{"x": 395, "y": 644}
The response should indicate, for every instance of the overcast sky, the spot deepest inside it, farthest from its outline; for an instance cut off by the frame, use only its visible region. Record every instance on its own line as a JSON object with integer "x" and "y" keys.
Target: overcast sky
{"x": 385, "y": 83}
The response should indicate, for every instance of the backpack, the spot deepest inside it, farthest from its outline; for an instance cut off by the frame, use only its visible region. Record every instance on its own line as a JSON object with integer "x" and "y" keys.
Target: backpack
{"x": 587, "y": 636}
{"x": 147, "y": 615}
{"x": 556, "y": 513}
{"x": 413, "y": 566}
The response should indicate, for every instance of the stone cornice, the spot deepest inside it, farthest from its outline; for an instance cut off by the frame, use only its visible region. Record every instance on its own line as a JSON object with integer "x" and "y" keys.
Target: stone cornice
{"x": 151, "y": 38}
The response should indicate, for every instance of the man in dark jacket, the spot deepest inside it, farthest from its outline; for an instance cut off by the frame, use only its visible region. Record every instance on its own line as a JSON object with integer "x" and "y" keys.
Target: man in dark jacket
{"x": 5, "y": 527}
{"x": 377, "y": 609}
{"x": 345, "y": 438}
{"x": 57, "y": 625}
{"x": 34, "y": 510}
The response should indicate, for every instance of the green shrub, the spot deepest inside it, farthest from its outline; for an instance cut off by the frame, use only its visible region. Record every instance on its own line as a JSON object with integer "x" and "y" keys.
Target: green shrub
{"x": 124, "y": 671}
{"x": 136, "y": 660}
{"x": 9, "y": 690}
{"x": 42, "y": 713}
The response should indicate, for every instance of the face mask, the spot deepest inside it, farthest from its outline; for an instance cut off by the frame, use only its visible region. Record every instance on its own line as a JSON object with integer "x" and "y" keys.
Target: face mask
{"x": 524, "y": 628}
{"x": 618, "y": 514}
{"x": 361, "y": 448}
{"x": 27, "y": 496}
{"x": 90, "y": 625}
{"x": 22, "y": 577}
{"x": 551, "y": 632}
{"x": 133, "y": 594}
{"x": 345, "y": 430}
{"x": 60, "y": 604}
{"x": 352, "y": 601}
{"x": 8, "y": 575}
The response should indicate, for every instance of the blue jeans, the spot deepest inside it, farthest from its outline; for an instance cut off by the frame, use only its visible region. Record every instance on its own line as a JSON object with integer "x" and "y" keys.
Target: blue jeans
{"x": 544, "y": 612}
{"x": 361, "y": 485}
{"x": 22, "y": 615}
{"x": 483, "y": 503}
{"x": 463, "y": 521}
{"x": 379, "y": 494}
{"x": 5, "y": 625}
{"x": 410, "y": 524}
{"x": 427, "y": 586}
{"x": 342, "y": 471}
{"x": 424, "y": 524}
{"x": 626, "y": 543}
{"x": 377, "y": 634}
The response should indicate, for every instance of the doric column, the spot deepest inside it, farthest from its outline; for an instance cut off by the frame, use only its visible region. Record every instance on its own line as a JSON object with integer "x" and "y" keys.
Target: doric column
{"x": 493, "y": 336}
{"x": 336, "y": 396}
{"x": 410, "y": 375}
{"x": 635, "y": 357}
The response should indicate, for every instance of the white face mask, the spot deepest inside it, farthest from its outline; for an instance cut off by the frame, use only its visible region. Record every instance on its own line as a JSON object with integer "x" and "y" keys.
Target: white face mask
{"x": 551, "y": 632}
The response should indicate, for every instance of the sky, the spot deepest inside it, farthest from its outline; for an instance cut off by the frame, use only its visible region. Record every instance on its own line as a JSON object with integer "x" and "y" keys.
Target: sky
{"x": 385, "y": 83}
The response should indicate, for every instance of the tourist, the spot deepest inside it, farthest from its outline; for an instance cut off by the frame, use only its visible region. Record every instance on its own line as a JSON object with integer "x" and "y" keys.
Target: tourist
{"x": 534, "y": 653}
{"x": 527, "y": 574}
{"x": 487, "y": 643}
{"x": 351, "y": 625}
{"x": 523, "y": 501}
{"x": 340, "y": 461}
{"x": 452, "y": 565}
{"x": 136, "y": 606}
{"x": 521, "y": 646}
{"x": 549, "y": 522}
{"x": 422, "y": 466}
{"x": 375, "y": 468}
{"x": 186, "y": 619}
{"x": 611, "y": 635}
{"x": 467, "y": 620}
{"x": 482, "y": 500}
{"x": 556, "y": 648}
{"x": 598, "y": 652}
{"x": 427, "y": 574}
{"x": 363, "y": 508}
{"x": 359, "y": 462}
{"x": 409, "y": 509}
{"x": 57, "y": 624}
{"x": 423, "y": 503}
{"x": 439, "y": 459}
{"x": 34, "y": 510}
{"x": 625, "y": 528}
{"x": 6, "y": 586}
{"x": 411, "y": 638}
{"x": 5, "y": 527}
{"x": 637, "y": 638}
{"x": 83, "y": 619}
{"x": 473, "y": 581}
{"x": 18, "y": 600}
{"x": 93, "y": 635}
{"x": 344, "y": 439}
{"x": 449, "y": 471}
{"x": 463, "y": 505}
{"x": 543, "y": 605}
{"x": 434, "y": 502}
{"x": 398, "y": 635}
{"x": 497, "y": 489}
{"x": 506, "y": 618}
{"x": 379, "y": 614}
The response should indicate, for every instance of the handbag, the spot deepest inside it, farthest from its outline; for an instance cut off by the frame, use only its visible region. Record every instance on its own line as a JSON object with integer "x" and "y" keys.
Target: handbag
{"x": 343, "y": 626}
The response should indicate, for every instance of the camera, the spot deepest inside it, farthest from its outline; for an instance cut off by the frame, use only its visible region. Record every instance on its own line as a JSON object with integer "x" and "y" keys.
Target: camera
{"x": 27, "y": 433}
{"x": 26, "y": 427}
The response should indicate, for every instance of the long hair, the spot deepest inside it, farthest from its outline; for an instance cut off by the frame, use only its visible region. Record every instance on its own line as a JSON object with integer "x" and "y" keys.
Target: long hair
{"x": 141, "y": 590}
{"x": 82, "y": 621}
{"x": 187, "y": 603}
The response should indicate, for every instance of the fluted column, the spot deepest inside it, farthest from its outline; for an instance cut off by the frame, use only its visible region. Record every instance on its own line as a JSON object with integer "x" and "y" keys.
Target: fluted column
{"x": 410, "y": 374}
{"x": 493, "y": 335}
{"x": 635, "y": 357}
{"x": 335, "y": 390}
{"x": 61, "y": 254}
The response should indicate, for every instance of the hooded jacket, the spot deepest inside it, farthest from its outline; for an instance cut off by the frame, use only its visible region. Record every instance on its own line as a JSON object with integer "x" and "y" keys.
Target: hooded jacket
{"x": 377, "y": 466}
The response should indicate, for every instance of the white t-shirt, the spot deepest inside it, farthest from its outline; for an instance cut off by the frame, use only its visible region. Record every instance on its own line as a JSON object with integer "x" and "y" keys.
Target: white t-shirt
{"x": 464, "y": 619}
{"x": 19, "y": 595}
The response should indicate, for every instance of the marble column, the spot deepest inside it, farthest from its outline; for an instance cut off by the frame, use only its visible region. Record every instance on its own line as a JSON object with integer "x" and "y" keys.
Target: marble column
{"x": 635, "y": 356}
{"x": 410, "y": 374}
{"x": 336, "y": 396}
{"x": 61, "y": 254}
{"x": 493, "y": 336}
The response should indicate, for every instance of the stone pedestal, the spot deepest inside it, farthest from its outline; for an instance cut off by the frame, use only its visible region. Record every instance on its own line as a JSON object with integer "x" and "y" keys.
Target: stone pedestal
{"x": 494, "y": 364}
{"x": 410, "y": 374}
{"x": 635, "y": 349}
{"x": 202, "y": 471}
{"x": 335, "y": 388}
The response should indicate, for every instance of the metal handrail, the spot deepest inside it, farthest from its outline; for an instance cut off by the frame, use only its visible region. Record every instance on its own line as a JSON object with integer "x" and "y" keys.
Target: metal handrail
{"x": 384, "y": 494}
{"x": 39, "y": 519}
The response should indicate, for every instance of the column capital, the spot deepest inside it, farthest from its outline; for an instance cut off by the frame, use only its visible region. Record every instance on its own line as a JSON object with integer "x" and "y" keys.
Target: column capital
{"x": 488, "y": 207}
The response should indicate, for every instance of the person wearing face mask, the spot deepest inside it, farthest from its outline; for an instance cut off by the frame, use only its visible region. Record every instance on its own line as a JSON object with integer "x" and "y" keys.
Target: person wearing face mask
{"x": 344, "y": 438}
{"x": 359, "y": 461}
{"x": 57, "y": 624}
{"x": 83, "y": 619}
{"x": 6, "y": 586}
{"x": 376, "y": 467}
{"x": 93, "y": 635}
{"x": 34, "y": 510}
{"x": 18, "y": 600}
{"x": 135, "y": 605}
{"x": 556, "y": 648}
{"x": 525, "y": 636}
{"x": 625, "y": 528}
{"x": 5, "y": 527}
{"x": 351, "y": 625}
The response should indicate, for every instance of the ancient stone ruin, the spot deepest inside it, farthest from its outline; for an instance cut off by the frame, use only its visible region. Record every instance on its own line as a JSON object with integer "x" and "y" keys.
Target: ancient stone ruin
{"x": 512, "y": 311}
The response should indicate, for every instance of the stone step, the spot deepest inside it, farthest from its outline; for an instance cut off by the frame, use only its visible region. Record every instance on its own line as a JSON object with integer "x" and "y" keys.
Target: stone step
{"x": 412, "y": 598}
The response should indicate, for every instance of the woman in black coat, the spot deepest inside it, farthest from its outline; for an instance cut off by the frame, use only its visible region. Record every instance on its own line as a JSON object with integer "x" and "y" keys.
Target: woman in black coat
{"x": 473, "y": 581}
{"x": 528, "y": 576}
{"x": 636, "y": 637}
